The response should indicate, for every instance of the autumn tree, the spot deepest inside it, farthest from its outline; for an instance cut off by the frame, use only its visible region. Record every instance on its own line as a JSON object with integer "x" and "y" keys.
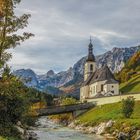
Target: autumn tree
{"x": 132, "y": 67}
{"x": 1, "y": 1}
{"x": 9, "y": 25}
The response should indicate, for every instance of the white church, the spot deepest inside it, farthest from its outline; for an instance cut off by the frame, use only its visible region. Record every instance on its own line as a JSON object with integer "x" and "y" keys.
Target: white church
{"x": 97, "y": 82}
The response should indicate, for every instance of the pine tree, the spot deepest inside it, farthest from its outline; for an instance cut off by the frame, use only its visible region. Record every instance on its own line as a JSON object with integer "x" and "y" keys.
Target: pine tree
{"x": 9, "y": 25}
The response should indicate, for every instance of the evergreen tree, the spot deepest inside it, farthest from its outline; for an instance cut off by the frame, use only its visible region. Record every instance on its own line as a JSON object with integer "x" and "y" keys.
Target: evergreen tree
{"x": 128, "y": 106}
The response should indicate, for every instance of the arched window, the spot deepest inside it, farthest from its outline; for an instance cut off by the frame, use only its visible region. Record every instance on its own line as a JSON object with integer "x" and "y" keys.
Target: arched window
{"x": 91, "y": 67}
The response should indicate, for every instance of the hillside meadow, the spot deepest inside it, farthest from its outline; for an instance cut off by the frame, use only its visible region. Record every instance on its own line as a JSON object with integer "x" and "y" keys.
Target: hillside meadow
{"x": 108, "y": 112}
{"x": 132, "y": 85}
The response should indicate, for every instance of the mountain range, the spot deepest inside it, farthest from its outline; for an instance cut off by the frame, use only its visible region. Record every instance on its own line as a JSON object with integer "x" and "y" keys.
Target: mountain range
{"x": 69, "y": 81}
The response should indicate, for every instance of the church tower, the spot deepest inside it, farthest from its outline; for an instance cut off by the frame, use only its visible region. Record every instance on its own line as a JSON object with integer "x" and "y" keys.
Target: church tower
{"x": 90, "y": 65}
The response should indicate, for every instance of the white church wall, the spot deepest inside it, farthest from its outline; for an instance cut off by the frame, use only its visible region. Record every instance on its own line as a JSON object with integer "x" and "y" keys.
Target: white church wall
{"x": 87, "y": 70}
{"x": 92, "y": 91}
{"x": 84, "y": 91}
{"x": 114, "y": 88}
{"x": 96, "y": 88}
{"x": 99, "y": 84}
{"x": 106, "y": 88}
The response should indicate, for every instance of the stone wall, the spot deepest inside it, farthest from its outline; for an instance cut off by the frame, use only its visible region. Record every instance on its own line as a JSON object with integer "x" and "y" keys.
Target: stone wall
{"x": 112, "y": 99}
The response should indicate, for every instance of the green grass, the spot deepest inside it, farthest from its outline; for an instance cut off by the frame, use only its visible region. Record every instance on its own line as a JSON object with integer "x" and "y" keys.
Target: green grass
{"x": 2, "y": 138}
{"x": 131, "y": 86}
{"x": 109, "y": 112}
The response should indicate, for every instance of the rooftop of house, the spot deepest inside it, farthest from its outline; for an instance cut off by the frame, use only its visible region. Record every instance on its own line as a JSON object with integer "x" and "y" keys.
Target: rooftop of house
{"x": 102, "y": 74}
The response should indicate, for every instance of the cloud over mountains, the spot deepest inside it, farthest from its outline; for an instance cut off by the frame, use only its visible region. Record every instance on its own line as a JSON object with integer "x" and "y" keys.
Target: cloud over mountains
{"x": 62, "y": 30}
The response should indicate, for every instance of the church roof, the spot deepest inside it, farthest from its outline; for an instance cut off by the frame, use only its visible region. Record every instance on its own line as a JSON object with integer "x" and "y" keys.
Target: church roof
{"x": 102, "y": 74}
{"x": 111, "y": 81}
{"x": 87, "y": 82}
{"x": 90, "y": 58}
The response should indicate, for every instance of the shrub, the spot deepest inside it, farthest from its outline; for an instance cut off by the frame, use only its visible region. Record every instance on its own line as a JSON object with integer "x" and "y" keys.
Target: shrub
{"x": 68, "y": 101}
{"x": 128, "y": 106}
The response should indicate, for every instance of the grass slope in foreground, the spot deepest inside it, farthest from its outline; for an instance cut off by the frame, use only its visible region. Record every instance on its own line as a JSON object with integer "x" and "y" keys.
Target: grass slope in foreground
{"x": 132, "y": 85}
{"x": 110, "y": 112}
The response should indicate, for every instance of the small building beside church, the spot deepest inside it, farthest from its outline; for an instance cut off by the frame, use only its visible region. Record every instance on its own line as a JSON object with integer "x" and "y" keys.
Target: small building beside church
{"x": 97, "y": 82}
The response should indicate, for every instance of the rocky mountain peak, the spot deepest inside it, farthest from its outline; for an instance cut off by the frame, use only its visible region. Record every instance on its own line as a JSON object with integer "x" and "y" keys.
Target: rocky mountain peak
{"x": 28, "y": 76}
{"x": 50, "y": 73}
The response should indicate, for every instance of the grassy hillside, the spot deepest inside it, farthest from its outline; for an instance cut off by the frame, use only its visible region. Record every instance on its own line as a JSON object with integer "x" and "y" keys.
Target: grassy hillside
{"x": 132, "y": 85}
{"x": 109, "y": 112}
{"x": 131, "y": 68}
{"x": 129, "y": 76}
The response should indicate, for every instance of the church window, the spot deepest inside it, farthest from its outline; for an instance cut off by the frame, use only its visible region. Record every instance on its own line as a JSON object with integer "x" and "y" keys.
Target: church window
{"x": 112, "y": 91}
{"x": 96, "y": 89}
{"x": 90, "y": 91}
{"x": 102, "y": 87}
{"x": 91, "y": 67}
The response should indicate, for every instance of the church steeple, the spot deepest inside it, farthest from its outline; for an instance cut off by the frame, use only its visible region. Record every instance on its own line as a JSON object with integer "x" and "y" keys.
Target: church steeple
{"x": 90, "y": 65}
{"x": 90, "y": 57}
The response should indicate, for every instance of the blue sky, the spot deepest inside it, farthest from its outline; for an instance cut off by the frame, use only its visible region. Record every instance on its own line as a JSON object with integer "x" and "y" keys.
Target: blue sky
{"x": 62, "y": 29}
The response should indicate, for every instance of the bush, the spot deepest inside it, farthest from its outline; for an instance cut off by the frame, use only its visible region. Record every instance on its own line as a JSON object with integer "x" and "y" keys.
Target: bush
{"x": 29, "y": 120}
{"x": 7, "y": 129}
{"x": 68, "y": 101}
{"x": 128, "y": 106}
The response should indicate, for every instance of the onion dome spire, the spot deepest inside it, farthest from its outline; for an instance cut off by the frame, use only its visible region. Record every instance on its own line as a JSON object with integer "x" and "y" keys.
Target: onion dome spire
{"x": 90, "y": 57}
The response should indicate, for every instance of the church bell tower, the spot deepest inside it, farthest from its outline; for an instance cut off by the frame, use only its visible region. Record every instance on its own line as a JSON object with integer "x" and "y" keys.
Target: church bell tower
{"x": 90, "y": 65}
